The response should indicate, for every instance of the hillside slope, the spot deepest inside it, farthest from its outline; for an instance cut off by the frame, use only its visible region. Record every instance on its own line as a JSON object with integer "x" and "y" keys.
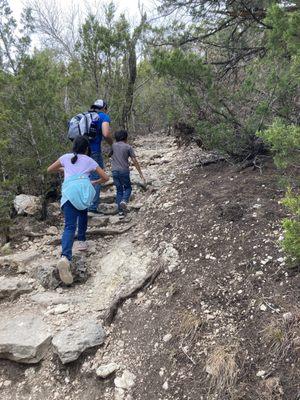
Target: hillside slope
{"x": 218, "y": 319}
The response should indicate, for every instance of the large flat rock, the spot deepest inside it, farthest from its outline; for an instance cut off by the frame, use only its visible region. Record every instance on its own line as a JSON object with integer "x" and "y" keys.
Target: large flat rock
{"x": 52, "y": 298}
{"x": 77, "y": 338}
{"x": 22, "y": 261}
{"x": 24, "y": 338}
{"x": 119, "y": 271}
{"x": 13, "y": 287}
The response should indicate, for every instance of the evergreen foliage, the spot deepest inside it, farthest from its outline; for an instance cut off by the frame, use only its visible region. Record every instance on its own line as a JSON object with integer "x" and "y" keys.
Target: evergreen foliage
{"x": 230, "y": 70}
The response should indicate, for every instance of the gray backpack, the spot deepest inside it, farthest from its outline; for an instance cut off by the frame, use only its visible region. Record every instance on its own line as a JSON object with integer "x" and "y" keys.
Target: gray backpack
{"x": 83, "y": 124}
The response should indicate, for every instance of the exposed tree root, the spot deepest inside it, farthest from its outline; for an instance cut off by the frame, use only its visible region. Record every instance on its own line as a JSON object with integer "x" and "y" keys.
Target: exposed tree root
{"x": 110, "y": 314}
{"x": 97, "y": 232}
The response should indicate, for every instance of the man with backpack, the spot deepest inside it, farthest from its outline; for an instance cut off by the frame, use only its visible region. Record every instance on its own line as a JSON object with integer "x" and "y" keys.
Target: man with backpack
{"x": 103, "y": 130}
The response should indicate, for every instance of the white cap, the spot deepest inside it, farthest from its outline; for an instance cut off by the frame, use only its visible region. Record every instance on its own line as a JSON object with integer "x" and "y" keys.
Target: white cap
{"x": 99, "y": 104}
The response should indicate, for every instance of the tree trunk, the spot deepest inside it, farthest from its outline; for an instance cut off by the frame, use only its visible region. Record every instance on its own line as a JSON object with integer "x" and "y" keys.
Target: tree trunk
{"x": 130, "y": 86}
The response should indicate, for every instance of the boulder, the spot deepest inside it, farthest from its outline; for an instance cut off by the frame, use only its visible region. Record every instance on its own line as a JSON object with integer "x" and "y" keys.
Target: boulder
{"x": 27, "y": 205}
{"x": 47, "y": 275}
{"x": 13, "y": 287}
{"x": 22, "y": 261}
{"x": 24, "y": 338}
{"x": 77, "y": 338}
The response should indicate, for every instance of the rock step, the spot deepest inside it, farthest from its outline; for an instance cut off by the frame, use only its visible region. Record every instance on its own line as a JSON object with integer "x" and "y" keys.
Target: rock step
{"x": 24, "y": 338}
{"x": 77, "y": 338}
{"x": 11, "y": 288}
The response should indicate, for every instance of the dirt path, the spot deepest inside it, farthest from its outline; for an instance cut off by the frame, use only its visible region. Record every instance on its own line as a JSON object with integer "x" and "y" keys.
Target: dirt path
{"x": 214, "y": 325}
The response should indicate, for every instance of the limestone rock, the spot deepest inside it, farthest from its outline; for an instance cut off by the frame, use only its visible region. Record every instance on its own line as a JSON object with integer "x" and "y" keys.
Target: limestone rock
{"x": 98, "y": 220}
{"x": 53, "y": 298}
{"x": 106, "y": 370}
{"x": 60, "y": 309}
{"x": 25, "y": 204}
{"x": 24, "y": 338}
{"x": 108, "y": 209}
{"x": 76, "y": 338}
{"x": 126, "y": 381}
{"x": 48, "y": 276}
{"x": 5, "y": 249}
{"x": 52, "y": 230}
{"x": 53, "y": 209}
{"x": 170, "y": 256}
{"x": 22, "y": 260}
{"x": 107, "y": 198}
{"x": 13, "y": 287}
{"x": 119, "y": 271}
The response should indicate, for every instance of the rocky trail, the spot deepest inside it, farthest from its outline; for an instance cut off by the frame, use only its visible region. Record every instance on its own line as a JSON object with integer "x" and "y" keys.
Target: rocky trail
{"x": 189, "y": 297}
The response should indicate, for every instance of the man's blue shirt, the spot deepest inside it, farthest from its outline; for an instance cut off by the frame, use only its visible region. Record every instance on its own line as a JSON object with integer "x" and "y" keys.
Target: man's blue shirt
{"x": 96, "y": 143}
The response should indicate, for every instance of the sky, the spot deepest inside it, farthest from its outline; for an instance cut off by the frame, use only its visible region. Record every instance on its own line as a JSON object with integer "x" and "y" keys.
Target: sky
{"x": 130, "y": 7}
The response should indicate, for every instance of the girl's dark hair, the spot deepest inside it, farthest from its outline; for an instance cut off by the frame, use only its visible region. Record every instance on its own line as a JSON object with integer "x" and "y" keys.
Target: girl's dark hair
{"x": 121, "y": 135}
{"x": 81, "y": 145}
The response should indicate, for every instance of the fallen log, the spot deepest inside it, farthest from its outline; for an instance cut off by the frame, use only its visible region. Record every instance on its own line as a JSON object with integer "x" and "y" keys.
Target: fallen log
{"x": 110, "y": 314}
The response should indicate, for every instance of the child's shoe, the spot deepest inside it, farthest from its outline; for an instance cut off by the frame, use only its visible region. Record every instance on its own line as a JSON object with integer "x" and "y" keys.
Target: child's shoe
{"x": 121, "y": 215}
{"x": 123, "y": 205}
{"x": 64, "y": 270}
{"x": 82, "y": 246}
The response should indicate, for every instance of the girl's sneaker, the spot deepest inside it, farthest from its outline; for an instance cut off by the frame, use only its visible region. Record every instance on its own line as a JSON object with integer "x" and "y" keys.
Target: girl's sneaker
{"x": 121, "y": 215}
{"x": 64, "y": 270}
{"x": 123, "y": 205}
{"x": 82, "y": 246}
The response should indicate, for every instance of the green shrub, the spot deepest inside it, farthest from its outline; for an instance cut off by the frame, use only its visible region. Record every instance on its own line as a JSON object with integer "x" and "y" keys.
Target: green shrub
{"x": 284, "y": 141}
{"x": 291, "y": 226}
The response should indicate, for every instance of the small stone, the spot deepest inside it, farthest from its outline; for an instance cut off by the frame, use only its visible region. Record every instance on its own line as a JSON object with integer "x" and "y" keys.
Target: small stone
{"x": 261, "y": 374}
{"x": 29, "y": 372}
{"x": 126, "y": 381}
{"x": 167, "y": 337}
{"x": 106, "y": 370}
{"x": 288, "y": 317}
{"x": 7, "y": 383}
{"x": 52, "y": 230}
{"x": 165, "y": 385}
{"x": 119, "y": 394}
{"x": 263, "y": 307}
{"x": 60, "y": 309}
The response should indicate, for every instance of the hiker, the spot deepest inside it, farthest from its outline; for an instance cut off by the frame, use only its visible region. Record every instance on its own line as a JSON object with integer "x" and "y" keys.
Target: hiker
{"x": 101, "y": 107}
{"x": 77, "y": 194}
{"x": 120, "y": 154}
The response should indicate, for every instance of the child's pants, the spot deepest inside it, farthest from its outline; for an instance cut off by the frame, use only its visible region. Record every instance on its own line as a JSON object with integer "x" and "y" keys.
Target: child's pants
{"x": 123, "y": 186}
{"x": 71, "y": 215}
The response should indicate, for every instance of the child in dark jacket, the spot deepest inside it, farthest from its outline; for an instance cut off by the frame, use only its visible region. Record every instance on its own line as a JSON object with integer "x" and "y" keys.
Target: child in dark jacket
{"x": 121, "y": 152}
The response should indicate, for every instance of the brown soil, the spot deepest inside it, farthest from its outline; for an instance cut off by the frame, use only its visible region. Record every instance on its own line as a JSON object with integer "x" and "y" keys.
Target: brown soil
{"x": 224, "y": 305}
